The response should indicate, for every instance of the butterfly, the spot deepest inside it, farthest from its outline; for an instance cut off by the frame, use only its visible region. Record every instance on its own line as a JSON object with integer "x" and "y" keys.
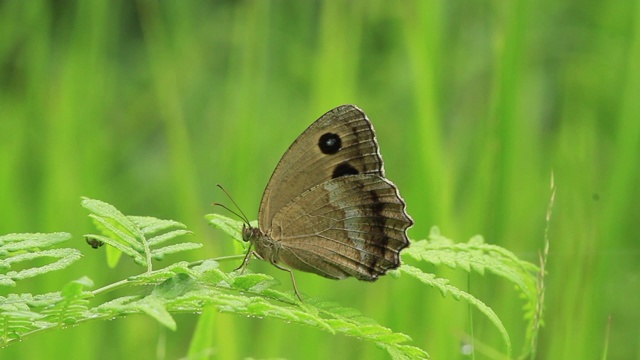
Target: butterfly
{"x": 328, "y": 208}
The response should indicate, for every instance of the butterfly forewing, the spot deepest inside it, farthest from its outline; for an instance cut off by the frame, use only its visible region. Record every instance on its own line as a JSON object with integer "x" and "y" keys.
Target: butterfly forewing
{"x": 341, "y": 142}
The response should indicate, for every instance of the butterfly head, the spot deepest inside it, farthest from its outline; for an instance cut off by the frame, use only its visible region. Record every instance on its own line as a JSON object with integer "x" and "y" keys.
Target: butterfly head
{"x": 249, "y": 232}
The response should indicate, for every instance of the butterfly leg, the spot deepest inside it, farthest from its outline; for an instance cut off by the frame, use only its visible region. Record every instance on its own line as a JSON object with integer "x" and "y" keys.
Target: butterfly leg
{"x": 293, "y": 280}
{"x": 246, "y": 259}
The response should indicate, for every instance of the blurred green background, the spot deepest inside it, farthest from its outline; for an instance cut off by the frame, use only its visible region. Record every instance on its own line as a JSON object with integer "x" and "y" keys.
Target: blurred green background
{"x": 147, "y": 105}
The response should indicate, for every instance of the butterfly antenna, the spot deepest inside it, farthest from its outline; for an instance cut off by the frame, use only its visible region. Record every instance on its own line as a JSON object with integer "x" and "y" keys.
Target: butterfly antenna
{"x": 243, "y": 216}
{"x": 229, "y": 210}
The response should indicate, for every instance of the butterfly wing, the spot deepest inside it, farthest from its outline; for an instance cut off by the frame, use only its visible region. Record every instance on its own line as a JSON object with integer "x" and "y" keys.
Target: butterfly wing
{"x": 347, "y": 226}
{"x": 341, "y": 142}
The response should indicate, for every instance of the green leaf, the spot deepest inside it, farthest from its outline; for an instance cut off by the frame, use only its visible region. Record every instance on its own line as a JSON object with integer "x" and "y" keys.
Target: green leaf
{"x": 135, "y": 236}
{"x": 326, "y": 316}
{"x": 159, "y": 254}
{"x": 150, "y": 225}
{"x": 477, "y": 256}
{"x": 446, "y": 289}
{"x": 163, "y": 274}
{"x": 155, "y": 308}
{"x": 30, "y": 241}
{"x": 30, "y": 248}
{"x": 115, "y": 225}
{"x": 202, "y": 340}
{"x": 16, "y": 322}
{"x": 72, "y": 306}
{"x": 114, "y": 254}
{"x": 254, "y": 282}
{"x": 121, "y": 247}
{"x": 74, "y": 288}
{"x": 404, "y": 352}
{"x": 107, "y": 211}
{"x": 157, "y": 240}
{"x": 232, "y": 227}
{"x": 209, "y": 272}
{"x": 183, "y": 287}
{"x": 174, "y": 286}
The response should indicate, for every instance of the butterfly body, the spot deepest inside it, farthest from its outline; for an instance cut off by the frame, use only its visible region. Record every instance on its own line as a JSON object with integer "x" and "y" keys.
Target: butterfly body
{"x": 328, "y": 208}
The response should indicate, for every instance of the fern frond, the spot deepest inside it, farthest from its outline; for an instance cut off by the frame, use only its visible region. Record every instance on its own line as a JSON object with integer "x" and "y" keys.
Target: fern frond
{"x": 112, "y": 219}
{"x": 115, "y": 243}
{"x": 138, "y": 237}
{"x": 20, "y": 248}
{"x": 16, "y": 318}
{"x": 232, "y": 227}
{"x": 252, "y": 295}
{"x": 445, "y": 289}
{"x": 158, "y": 276}
{"x": 155, "y": 304}
{"x": 150, "y": 225}
{"x": 30, "y": 241}
{"x": 159, "y": 254}
{"x": 476, "y": 255}
{"x": 184, "y": 287}
{"x": 72, "y": 305}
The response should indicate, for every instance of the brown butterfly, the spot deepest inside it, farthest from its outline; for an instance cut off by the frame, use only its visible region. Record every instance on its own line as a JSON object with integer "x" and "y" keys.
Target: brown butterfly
{"x": 328, "y": 208}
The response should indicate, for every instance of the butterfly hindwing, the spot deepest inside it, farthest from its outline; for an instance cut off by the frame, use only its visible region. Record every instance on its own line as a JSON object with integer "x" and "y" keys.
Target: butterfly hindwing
{"x": 348, "y": 226}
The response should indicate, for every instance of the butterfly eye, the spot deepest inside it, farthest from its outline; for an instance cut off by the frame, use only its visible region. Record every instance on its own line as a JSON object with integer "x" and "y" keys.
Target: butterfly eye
{"x": 329, "y": 143}
{"x": 246, "y": 233}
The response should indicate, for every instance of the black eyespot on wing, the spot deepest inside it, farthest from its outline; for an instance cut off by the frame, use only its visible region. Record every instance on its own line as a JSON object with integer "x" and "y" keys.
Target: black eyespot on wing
{"x": 344, "y": 169}
{"x": 329, "y": 143}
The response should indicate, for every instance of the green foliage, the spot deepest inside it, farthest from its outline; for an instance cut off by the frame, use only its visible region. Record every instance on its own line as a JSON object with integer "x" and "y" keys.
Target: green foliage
{"x": 184, "y": 287}
{"x": 135, "y": 236}
{"x": 24, "y": 314}
{"x": 474, "y": 255}
{"x": 177, "y": 288}
{"x": 18, "y": 248}
{"x": 138, "y": 237}
{"x": 72, "y": 305}
{"x": 227, "y": 225}
{"x": 477, "y": 256}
